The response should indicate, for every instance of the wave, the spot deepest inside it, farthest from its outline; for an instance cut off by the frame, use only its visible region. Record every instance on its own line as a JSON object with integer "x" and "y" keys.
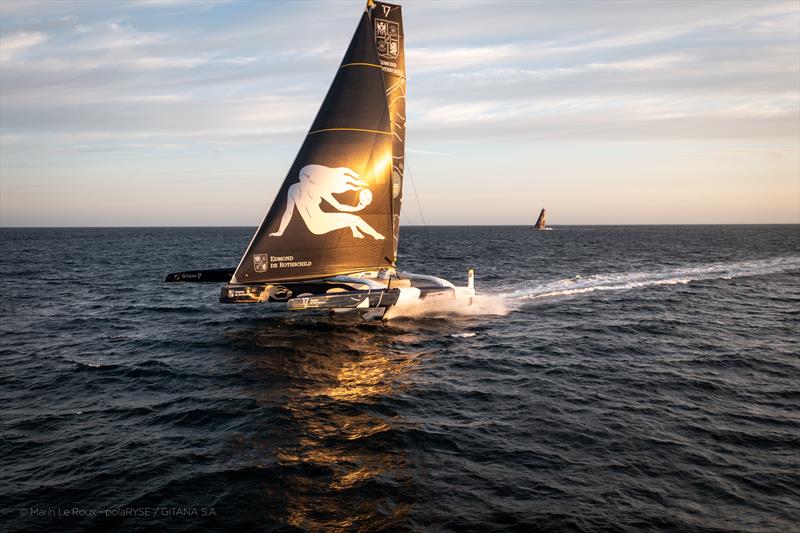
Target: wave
{"x": 620, "y": 281}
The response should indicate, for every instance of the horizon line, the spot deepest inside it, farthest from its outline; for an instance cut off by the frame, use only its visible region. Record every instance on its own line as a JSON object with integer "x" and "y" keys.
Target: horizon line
{"x": 431, "y": 225}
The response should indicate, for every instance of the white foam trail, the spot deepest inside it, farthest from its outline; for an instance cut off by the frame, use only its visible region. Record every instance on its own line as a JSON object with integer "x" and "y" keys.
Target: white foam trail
{"x": 503, "y": 302}
{"x": 482, "y": 304}
{"x": 619, "y": 281}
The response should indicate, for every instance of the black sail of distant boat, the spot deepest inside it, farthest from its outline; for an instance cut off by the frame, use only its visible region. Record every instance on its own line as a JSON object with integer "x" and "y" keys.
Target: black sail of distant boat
{"x": 338, "y": 209}
{"x": 540, "y": 222}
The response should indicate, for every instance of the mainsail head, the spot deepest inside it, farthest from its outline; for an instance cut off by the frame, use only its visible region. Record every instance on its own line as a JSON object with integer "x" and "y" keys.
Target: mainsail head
{"x": 338, "y": 209}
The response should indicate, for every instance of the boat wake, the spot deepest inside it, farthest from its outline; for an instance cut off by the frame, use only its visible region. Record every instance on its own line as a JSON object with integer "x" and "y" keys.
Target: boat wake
{"x": 503, "y": 302}
{"x": 620, "y": 281}
{"x": 482, "y": 304}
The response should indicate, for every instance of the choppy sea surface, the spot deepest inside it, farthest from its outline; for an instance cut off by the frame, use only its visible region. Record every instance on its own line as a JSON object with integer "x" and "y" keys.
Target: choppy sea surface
{"x": 609, "y": 378}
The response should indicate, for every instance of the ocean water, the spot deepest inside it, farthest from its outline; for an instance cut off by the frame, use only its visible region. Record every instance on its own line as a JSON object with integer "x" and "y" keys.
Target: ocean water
{"x": 608, "y": 378}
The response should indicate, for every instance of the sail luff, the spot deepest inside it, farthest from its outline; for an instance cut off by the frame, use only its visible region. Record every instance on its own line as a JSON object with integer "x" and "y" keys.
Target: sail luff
{"x": 387, "y": 22}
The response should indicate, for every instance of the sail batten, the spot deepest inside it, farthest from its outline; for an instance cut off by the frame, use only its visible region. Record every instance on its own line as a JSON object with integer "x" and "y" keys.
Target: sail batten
{"x": 350, "y": 129}
{"x": 361, "y": 65}
{"x": 337, "y": 211}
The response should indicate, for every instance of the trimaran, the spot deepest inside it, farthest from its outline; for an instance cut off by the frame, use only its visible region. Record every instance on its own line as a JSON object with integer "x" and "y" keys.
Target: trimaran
{"x": 329, "y": 240}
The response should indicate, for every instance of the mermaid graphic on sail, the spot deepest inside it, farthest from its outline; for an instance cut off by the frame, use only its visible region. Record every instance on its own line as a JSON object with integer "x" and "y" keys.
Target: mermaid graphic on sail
{"x": 317, "y": 183}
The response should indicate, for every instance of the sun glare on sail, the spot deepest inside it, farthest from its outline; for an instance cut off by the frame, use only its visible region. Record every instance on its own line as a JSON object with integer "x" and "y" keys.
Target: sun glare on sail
{"x": 380, "y": 169}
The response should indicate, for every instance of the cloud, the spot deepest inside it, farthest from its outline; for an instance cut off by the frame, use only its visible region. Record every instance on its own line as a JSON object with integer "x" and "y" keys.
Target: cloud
{"x": 646, "y": 63}
{"x": 169, "y": 62}
{"x": 427, "y": 59}
{"x": 16, "y": 43}
{"x": 192, "y": 4}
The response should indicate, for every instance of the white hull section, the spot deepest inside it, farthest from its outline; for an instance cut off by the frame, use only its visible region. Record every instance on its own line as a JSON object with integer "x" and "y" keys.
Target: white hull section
{"x": 402, "y": 290}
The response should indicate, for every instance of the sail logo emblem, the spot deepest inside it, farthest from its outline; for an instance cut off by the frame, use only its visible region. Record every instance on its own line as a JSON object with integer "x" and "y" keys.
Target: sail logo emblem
{"x": 260, "y": 262}
{"x": 387, "y": 38}
{"x": 318, "y": 183}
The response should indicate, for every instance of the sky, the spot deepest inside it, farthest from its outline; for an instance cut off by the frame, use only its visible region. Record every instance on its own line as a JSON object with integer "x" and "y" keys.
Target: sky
{"x": 172, "y": 113}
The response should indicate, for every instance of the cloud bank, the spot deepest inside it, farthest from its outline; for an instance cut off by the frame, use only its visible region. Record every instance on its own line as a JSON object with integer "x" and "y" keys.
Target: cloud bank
{"x": 146, "y": 97}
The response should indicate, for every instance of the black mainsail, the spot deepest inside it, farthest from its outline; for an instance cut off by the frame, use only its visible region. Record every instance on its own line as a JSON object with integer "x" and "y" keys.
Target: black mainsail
{"x": 329, "y": 240}
{"x": 540, "y": 222}
{"x": 338, "y": 209}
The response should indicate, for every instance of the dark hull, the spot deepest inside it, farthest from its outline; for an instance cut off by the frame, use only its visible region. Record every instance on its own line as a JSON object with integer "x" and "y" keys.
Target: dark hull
{"x": 338, "y": 292}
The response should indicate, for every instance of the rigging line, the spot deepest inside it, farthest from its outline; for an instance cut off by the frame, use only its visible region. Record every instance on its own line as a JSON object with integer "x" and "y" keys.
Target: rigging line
{"x": 405, "y": 216}
{"x": 414, "y": 187}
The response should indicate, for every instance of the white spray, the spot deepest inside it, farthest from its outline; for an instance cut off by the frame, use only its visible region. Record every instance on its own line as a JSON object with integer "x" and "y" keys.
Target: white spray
{"x": 504, "y": 301}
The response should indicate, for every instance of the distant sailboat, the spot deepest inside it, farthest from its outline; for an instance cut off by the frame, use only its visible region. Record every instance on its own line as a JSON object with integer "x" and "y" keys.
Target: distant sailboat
{"x": 541, "y": 222}
{"x": 329, "y": 241}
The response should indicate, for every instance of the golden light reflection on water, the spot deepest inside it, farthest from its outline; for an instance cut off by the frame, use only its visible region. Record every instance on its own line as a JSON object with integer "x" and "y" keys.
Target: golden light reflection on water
{"x": 336, "y": 457}
{"x": 372, "y": 375}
